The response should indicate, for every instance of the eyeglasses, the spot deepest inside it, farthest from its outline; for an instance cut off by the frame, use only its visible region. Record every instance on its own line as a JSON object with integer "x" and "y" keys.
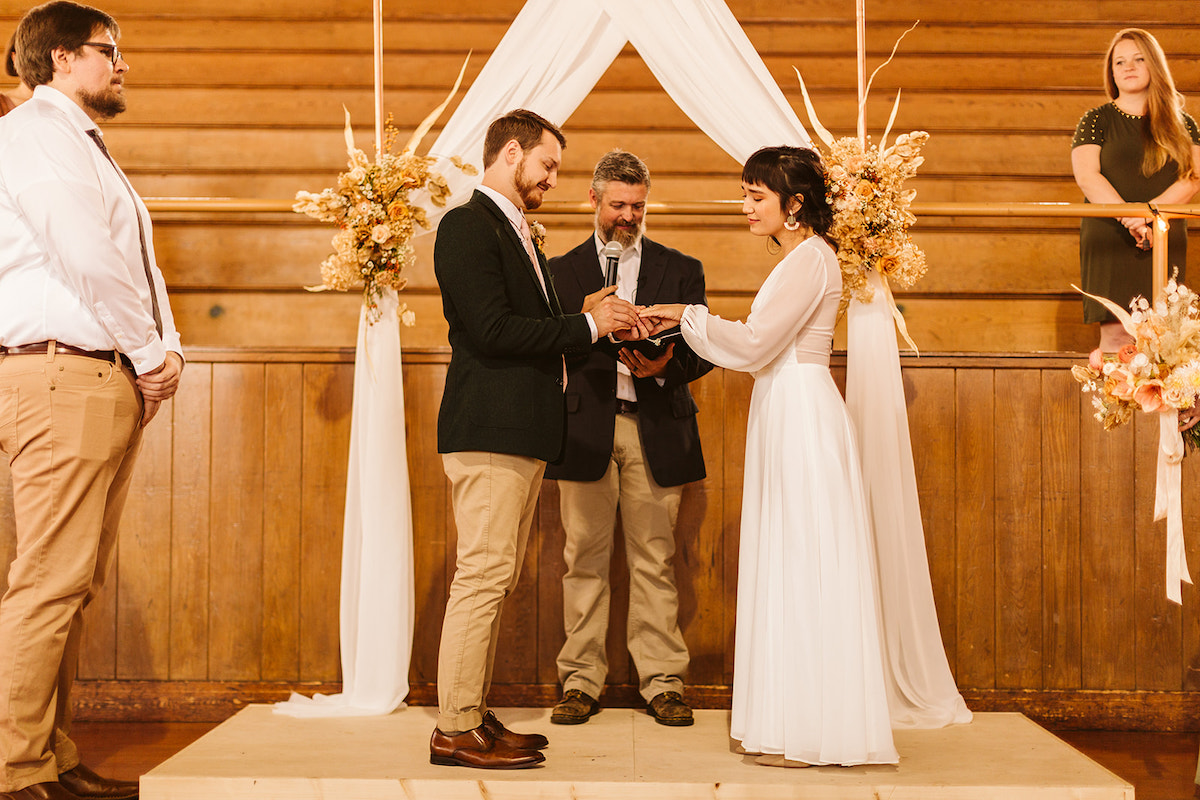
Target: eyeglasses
{"x": 109, "y": 50}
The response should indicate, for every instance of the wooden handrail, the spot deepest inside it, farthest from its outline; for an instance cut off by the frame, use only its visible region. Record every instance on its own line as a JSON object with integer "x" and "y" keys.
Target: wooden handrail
{"x": 235, "y": 205}
{"x": 1161, "y": 214}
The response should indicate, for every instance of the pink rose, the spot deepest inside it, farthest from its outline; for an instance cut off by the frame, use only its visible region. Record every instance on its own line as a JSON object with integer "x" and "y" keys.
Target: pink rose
{"x": 1096, "y": 359}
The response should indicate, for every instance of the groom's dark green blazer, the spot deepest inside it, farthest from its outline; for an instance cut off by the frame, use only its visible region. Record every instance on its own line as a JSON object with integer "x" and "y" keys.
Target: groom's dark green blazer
{"x": 504, "y": 386}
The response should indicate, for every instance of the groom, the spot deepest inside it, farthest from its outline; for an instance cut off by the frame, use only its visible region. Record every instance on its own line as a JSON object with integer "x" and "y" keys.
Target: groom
{"x": 501, "y": 418}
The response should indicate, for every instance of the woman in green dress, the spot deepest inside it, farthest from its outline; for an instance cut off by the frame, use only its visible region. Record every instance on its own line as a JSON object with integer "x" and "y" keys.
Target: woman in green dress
{"x": 1139, "y": 147}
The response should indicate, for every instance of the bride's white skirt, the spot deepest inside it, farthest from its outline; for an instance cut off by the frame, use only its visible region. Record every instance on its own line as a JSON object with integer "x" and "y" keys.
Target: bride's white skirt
{"x": 808, "y": 674}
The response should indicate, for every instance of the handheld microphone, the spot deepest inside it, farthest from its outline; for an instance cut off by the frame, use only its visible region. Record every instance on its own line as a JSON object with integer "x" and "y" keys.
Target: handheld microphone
{"x": 612, "y": 254}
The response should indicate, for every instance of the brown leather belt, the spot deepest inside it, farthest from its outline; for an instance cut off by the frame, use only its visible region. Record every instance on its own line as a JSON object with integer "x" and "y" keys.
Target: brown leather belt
{"x": 42, "y": 348}
{"x": 626, "y": 407}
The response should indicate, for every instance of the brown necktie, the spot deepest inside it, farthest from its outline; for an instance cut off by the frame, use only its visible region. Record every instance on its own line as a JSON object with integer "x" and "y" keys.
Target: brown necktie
{"x": 95, "y": 134}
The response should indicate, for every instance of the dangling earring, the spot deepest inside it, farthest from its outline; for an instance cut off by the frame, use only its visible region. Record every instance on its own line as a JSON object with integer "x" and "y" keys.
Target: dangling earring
{"x": 791, "y": 223}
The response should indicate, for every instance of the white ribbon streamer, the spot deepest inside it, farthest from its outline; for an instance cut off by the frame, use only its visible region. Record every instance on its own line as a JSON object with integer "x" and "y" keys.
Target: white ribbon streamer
{"x": 1168, "y": 501}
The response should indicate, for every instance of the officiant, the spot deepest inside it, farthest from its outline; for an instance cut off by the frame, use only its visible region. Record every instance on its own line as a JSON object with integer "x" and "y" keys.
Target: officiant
{"x": 632, "y": 442}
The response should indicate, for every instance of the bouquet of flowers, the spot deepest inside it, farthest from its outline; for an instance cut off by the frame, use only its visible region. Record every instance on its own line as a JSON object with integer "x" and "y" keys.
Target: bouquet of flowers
{"x": 376, "y": 216}
{"x": 865, "y": 187}
{"x": 1160, "y": 371}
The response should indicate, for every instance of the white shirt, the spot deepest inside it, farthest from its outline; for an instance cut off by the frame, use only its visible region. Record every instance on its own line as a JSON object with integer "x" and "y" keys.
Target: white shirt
{"x": 629, "y": 267}
{"x": 515, "y": 217}
{"x": 70, "y": 253}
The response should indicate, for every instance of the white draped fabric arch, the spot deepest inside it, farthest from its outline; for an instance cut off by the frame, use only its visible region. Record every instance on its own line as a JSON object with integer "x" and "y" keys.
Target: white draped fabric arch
{"x": 548, "y": 61}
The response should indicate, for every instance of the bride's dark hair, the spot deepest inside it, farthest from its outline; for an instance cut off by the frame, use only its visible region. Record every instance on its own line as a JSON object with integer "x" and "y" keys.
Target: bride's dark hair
{"x": 794, "y": 172}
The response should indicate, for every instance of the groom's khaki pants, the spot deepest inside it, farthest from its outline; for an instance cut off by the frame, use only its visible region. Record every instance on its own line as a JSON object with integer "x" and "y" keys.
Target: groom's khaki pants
{"x": 69, "y": 426}
{"x": 494, "y": 496}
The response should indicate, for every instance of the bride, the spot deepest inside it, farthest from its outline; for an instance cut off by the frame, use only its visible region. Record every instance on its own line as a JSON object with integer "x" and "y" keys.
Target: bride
{"x": 808, "y": 684}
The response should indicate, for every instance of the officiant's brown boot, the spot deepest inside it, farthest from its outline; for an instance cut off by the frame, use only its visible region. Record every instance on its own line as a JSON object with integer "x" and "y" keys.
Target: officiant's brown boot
{"x": 575, "y": 707}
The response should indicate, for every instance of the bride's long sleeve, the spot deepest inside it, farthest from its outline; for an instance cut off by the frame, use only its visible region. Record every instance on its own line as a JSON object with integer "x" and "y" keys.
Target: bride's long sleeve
{"x": 789, "y": 297}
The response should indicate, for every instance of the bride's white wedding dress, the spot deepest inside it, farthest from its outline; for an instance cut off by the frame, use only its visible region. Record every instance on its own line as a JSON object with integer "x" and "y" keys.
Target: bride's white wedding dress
{"x": 808, "y": 670}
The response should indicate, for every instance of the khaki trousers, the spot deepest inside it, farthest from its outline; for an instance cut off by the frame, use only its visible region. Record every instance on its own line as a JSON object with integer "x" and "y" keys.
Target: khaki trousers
{"x": 494, "y": 496}
{"x": 648, "y": 514}
{"x": 69, "y": 426}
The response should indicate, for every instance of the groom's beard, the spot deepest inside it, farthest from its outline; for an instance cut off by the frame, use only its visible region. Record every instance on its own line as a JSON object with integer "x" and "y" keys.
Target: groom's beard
{"x": 530, "y": 192}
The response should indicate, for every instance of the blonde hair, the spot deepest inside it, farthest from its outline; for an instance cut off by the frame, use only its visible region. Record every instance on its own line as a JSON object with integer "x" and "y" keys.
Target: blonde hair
{"x": 1166, "y": 134}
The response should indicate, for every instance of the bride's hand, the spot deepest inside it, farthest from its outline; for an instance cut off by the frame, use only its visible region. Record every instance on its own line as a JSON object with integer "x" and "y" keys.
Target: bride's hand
{"x": 663, "y": 311}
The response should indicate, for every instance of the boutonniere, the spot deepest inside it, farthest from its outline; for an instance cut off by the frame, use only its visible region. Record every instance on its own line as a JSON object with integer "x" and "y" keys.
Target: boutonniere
{"x": 538, "y": 231}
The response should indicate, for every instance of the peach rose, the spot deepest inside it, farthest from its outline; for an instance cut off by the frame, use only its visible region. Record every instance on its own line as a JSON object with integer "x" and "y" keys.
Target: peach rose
{"x": 1096, "y": 359}
{"x": 1126, "y": 353}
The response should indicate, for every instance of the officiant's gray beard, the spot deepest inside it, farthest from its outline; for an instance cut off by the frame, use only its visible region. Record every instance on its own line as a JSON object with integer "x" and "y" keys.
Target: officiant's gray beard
{"x": 621, "y": 235}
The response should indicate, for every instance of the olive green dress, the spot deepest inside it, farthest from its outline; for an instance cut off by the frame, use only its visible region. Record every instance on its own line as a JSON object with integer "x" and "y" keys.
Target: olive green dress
{"x": 1111, "y": 265}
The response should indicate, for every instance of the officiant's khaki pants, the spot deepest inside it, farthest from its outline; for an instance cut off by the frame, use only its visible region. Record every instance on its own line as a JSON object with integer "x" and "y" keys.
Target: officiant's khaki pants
{"x": 494, "y": 496}
{"x": 648, "y": 514}
{"x": 70, "y": 427}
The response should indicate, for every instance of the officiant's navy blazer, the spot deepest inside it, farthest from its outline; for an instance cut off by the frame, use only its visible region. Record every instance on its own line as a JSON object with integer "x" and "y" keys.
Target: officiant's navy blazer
{"x": 667, "y": 413}
{"x": 504, "y": 385}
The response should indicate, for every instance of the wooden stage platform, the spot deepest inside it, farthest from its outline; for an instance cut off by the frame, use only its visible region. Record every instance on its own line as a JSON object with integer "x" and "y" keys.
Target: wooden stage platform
{"x": 621, "y": 754}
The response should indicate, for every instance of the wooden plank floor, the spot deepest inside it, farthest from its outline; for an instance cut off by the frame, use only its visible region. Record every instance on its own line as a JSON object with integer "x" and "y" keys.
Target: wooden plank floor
{"x": 1161, "y": 766}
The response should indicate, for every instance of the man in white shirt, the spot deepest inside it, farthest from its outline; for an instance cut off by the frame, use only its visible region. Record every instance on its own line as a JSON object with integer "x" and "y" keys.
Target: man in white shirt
{"x": 88, "y": 352}
{"x": 632, "y": 443}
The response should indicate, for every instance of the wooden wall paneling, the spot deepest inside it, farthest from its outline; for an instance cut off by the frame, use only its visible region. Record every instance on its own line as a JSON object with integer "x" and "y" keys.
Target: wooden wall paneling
{"x": 423, "y": 384}
{"x": 1061, "y": 609}
{"x": 1190, "y": 676}
{"x": 736, "y": 390}
{"x": 974, "y": 261}
{"x": 191, "y": 533}
{"x": 1107, "y": 553}
{"x": 1158, "y": 622}
{"x": 1018, "y": 531}
{"x": 897, "y": 11}
{"x": 144, "y": 586}
{"x": 701, "y": 555}
{"x": 931, "y": 398}
{"x": 328, "y": 398}
{"x": 236, "y": 557}
{"x": 550, "y": 632}
{"x": 283, "y": 458}
{"x": 975, "y": 528}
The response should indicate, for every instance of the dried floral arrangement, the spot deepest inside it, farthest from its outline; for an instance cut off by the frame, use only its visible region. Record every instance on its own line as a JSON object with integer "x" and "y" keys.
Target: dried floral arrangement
{"x": 1159, "y": 372}
{"x": 376, "y": 207}
{"x": 871, "y": 217}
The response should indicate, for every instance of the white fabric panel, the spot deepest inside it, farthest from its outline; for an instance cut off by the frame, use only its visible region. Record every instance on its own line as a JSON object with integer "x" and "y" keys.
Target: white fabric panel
{"x": 548, "y": 61}
{"x": 703, "y": 59}
{"x": 556, "y": 51}
{"x": 921, "y": 690}
{"x": 377, "y": 602}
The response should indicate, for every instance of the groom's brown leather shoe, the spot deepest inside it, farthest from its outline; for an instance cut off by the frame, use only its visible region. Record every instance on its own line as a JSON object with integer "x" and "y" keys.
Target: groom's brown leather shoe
{"x": 50, "y": 790}
{"x": 521, "y": 741}
{"x": 82, "y": 782}
{"x": 478, "y": 748}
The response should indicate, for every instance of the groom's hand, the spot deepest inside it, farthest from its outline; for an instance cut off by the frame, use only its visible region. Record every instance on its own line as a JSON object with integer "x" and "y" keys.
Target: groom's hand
{"x": 593, "y": 299}
{"x": 614, "y": 315}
